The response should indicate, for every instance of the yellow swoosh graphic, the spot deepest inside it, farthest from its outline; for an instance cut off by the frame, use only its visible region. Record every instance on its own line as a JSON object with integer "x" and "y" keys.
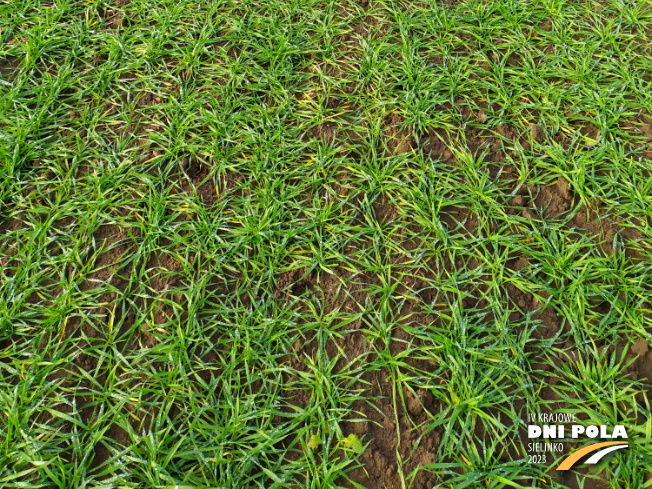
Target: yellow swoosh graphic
{"x": 574, "y": 457}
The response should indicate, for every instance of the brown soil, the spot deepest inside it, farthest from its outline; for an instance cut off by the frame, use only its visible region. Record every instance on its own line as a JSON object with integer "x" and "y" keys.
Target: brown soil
{"x": 8, "y": 67}
{"x": 414, "y": 448}
{"x": 398, "y": 141}
{"x": 374, "y": 421}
